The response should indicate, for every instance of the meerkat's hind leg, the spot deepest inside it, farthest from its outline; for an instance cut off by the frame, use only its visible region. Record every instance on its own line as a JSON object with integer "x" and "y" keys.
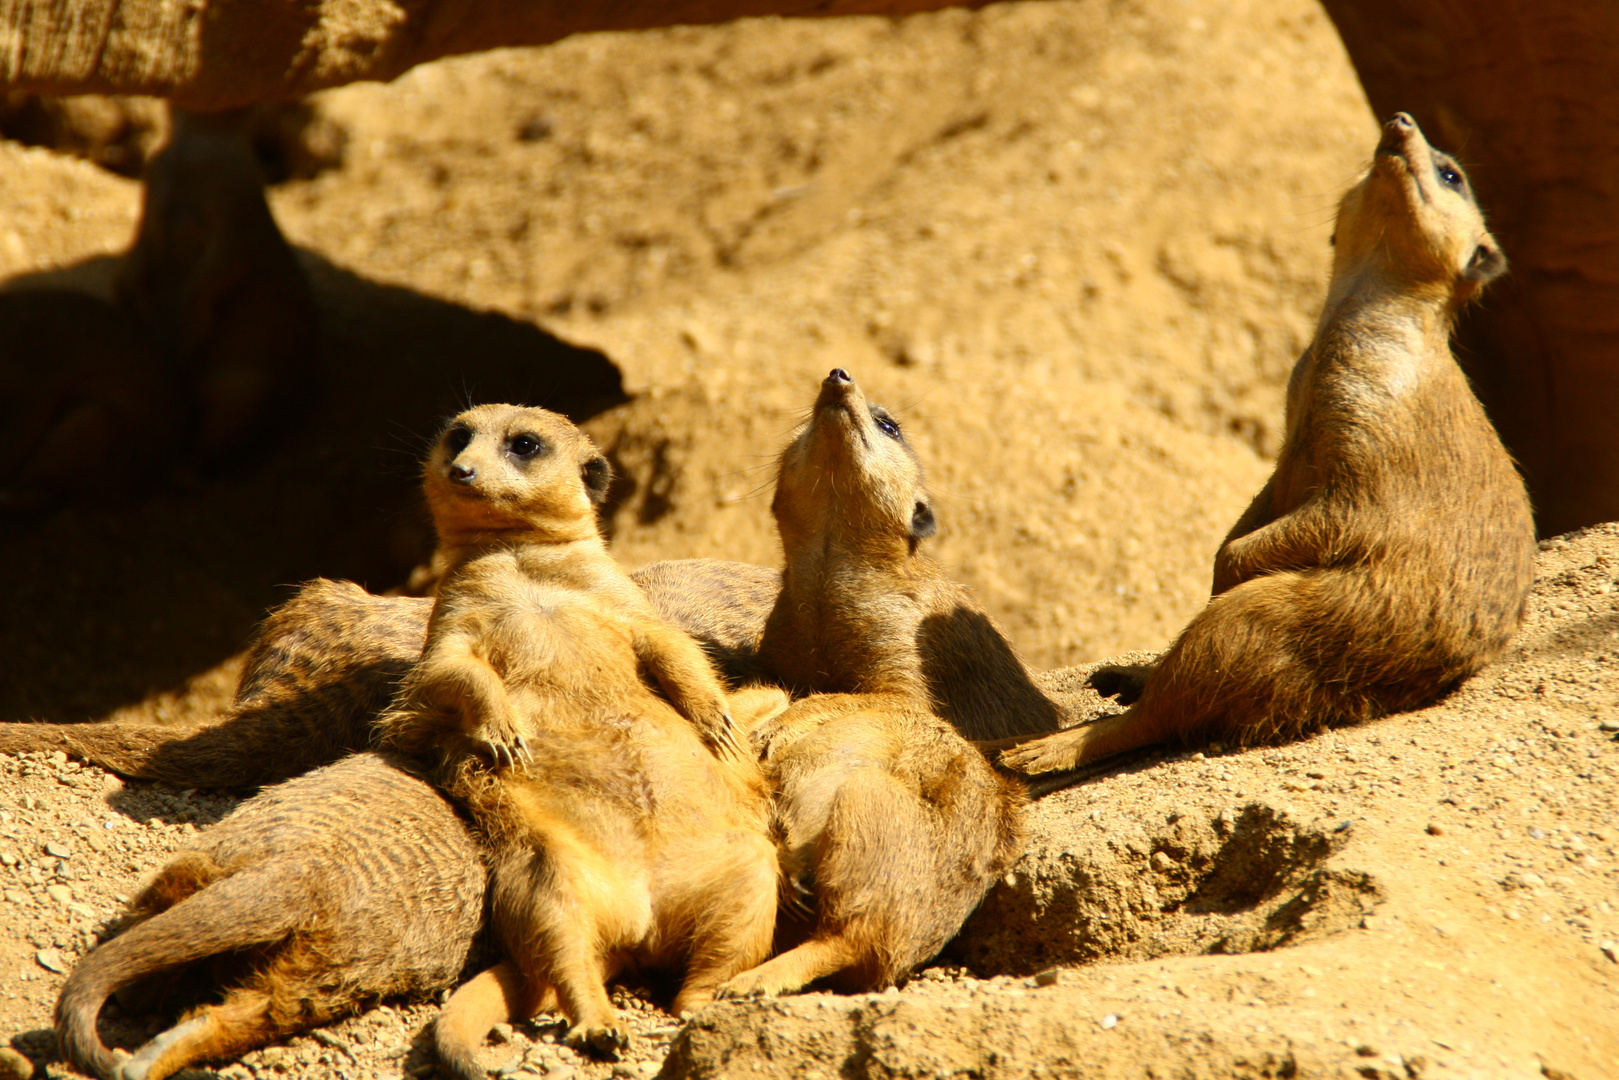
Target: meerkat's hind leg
{"x": 242, "y": 1022}
{"x": 794, "y": 969}
{"x": 1235, "y": 673}
{"x": 733, "y": 918}
{"x": 561, "y": 907}
{"x": 499, "y": 993}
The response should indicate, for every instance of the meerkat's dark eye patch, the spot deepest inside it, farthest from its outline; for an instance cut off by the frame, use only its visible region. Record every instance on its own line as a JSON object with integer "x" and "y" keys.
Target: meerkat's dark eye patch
{"x": 527, "y": 446}
{"x": 457, "y": 438}
{"x": 885, "y": 423}
{"x": 1450, "y": 175}
{"x": 598, "y": 477}
{"x": 922, "y": 523}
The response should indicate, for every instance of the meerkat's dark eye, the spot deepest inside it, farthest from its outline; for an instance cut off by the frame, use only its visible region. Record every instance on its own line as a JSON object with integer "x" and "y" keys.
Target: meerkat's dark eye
{"x": 886, "y": 424}
{"x": 526, "y": 446}
{"x": 456, "y": 439}
{"x": 1450, "y": 176}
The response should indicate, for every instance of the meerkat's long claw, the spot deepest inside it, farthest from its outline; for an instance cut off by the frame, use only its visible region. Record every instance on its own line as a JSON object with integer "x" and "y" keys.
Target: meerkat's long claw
{"x": 523, "y": 754}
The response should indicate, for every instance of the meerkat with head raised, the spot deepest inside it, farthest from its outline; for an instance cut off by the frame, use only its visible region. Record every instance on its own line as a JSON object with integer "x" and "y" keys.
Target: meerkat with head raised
{"x": 1391, "y": 552}
{"x": 615, "y": 836}
{"x": 885, "y": 814}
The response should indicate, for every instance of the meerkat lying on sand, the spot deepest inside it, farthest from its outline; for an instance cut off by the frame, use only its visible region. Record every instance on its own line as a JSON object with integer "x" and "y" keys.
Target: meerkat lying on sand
{"x": 350, "y": 884}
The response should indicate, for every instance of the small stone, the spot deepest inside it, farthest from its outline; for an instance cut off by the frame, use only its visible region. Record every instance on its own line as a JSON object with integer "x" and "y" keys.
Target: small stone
{"x": 1109, "y": 1022}
{"x": 273, "y": 1056}
{"x": 83, "y": 911}
{"x": 1536, "y": 833}
{"x": 515, "y": 1065}
{"x": 1610, "y": 950}
{"x": 8, "y": 858}
{"x": 1047, "y": 977}
{"x": 96, "y": 842}
{"x": 1365, "y": 1050}
{"x": 58, "y": 850}
{"x": 1161, "y": 861}
{"x": 51, "y": 960}
{"x": 561, "y": 1072}
{"x": 13, "y": 1066}
{"x": 30, "y": 803}
{"x": 326, "y": 1038}
{"x": 501, "y": 1033}
{"x": 1609, "y": 725}
{"x": 60, "y": 893}
{"x": 58, "y": 757}
{"x": 1435, "y": 829}
{"x": 15, "y": 896}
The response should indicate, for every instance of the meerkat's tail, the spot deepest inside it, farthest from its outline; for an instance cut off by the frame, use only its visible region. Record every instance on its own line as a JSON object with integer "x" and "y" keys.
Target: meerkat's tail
{"x": 500, "y": 993}
{"x": 207, "y": 757}
{"x": 210, "y": 914}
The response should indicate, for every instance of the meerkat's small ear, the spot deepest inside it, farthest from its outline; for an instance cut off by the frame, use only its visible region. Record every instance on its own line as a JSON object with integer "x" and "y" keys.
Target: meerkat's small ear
{"x": 598, "y": 477}
{"x": 922, "y": 523}
{"x": 1487, "y": 264}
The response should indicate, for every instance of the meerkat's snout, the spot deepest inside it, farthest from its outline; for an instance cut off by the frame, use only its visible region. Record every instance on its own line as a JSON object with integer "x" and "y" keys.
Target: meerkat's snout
{"x": 1396, "y": 131}
{"x": 463, "y": 474}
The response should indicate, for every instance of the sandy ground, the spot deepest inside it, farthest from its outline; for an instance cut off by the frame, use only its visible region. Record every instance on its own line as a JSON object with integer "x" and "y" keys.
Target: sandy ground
{"x": 1075, "y": 245}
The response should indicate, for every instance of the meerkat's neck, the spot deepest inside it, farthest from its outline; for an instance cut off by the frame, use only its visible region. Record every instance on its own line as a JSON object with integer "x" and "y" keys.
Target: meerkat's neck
{"x": 540, "y": 554}
{"x": 1373, "y": 320}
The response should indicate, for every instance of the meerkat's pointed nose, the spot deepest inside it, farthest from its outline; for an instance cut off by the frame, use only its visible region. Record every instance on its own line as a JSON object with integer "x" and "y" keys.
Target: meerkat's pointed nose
{"x": 463, "y": 474}
{"x": 1398, "y": 133}
{"x": 838, "y": 375}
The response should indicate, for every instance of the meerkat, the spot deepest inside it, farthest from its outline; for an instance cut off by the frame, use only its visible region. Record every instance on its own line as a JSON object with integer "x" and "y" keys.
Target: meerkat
{"x": 87, "y": 407}
{"x": 884, "y": 812}
{"x": 863, "y": 608}
{"x": 217, "y": 286}
{"x": 352, "y": 883}
{"x": 324, "y": 666}
{"x": 614, "y": 835}
{"x": 1391, "y": 552}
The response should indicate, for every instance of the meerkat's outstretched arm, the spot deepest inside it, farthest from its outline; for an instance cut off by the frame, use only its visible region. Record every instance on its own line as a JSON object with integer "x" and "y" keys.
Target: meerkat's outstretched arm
{"x": 683, "y": 670}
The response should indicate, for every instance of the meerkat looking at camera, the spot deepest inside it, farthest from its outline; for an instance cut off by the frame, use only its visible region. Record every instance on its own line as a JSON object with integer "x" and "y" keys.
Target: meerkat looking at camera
{"x": 615, "y": 835}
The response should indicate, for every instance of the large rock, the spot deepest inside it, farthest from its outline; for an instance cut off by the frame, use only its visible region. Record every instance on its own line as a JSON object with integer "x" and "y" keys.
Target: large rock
{"x": 1525, "y": 95}
{"x": 216, "y": 54}
{"x": 1428, "y": 896}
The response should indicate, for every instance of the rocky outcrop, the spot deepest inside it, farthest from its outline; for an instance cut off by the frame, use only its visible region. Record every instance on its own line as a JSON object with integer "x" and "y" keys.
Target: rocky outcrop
{"x": 217, "y": 54}
{"x": 1523, "y": 93}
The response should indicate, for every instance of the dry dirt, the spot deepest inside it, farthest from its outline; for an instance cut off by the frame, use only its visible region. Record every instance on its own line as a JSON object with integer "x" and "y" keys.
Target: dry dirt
{"x": 1076, "y": 246}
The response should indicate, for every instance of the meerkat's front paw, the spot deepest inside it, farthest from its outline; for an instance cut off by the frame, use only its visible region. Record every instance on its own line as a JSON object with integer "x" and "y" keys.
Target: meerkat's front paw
{"x": 716, "y": 727}
{"x": 1050, "y": 754}
{"x": 1122, "y": 681}
{"x": 607, "y": 1041}
{"x": 501, "y": 743}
